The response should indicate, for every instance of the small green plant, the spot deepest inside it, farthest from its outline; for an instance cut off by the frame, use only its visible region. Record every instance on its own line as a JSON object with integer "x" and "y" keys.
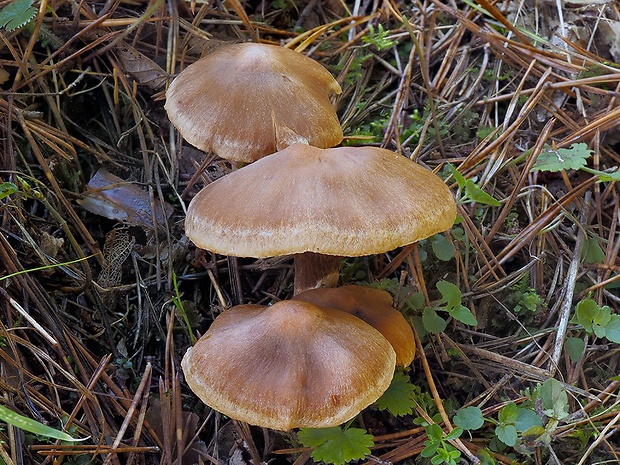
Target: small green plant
{"x": 522, "y": 427}
{"x": 20, "y": 14}
{"x": 574, "y": 158}
{"x": 463, "y": 124}
{"x": 178, "y": 303}
{"x": 490, "y": 75}
{"x": 470, "y": 191}
{"x": 413, "y": 131}
{"x": 336, "y": 445}
{"x": 378, "y": 38}
{"x": 17, "y": 14}
{"x": 597, "y": 320}
{"x": 523, "y": 299}
{"x": 451, "y": 297}
{"x": 437, "y": 446}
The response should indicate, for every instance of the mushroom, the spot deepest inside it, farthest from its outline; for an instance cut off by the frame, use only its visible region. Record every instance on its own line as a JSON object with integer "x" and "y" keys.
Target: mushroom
{"x": 289, "y": 365}
{"x": 246, "y": 101}
{"x": 320, "y": 204}
{"x": 375, "y": 307}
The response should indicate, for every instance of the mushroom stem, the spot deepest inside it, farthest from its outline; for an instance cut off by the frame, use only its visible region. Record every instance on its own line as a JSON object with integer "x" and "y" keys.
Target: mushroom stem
{"x": 313, "y": 270}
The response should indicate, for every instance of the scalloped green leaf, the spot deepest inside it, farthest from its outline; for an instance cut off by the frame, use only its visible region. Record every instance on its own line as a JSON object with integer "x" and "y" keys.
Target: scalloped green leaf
{"x": 563, "y": 159}
{"x": 399, "y": 398}
{"x": 17, "y": 14}
{"x": 335, "y": 445}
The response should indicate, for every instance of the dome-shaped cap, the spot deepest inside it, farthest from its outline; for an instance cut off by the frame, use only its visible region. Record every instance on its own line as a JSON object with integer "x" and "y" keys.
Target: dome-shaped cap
{"x": 244, "y": 101}
{"x": 375, "y": 307}
{"x": 347, "y": 201}
{"x": 289, "y": 365}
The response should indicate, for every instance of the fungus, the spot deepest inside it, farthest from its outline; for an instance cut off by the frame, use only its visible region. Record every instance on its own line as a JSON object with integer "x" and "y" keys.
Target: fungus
{"x": 246, "y": 101}
{"x": 375, "y": 307}
{"x": 320, "y": 204}
{"x": 289, "y": 365}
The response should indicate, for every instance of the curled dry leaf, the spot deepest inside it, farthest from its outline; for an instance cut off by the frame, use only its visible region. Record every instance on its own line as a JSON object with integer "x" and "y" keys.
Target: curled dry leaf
{"x": 140, "y": 67}
{"x": 112, "y": 197}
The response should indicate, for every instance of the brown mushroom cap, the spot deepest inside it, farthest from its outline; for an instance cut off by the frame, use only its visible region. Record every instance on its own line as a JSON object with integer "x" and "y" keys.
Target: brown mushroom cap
{"x": 242, "y": 101}
{"x": 347, "y": 201}
{"x": 375, "y": 307}
{"x": 289, "y": 365}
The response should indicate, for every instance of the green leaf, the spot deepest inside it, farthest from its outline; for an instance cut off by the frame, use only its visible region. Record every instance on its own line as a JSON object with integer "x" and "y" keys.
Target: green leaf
{"x": 469, "y": 418}
{"x": 454, "y": 434}
{"x": 592, "y": 251}
{"x": 612, "y": 329}
{"x": 574, "y": 347}
{"x": 6, "y": 189}
{"x": 563, "y": 159}
{"x": 599, "y": 330}
{"x": 442, "y": 247}
{"x": 474, "y": 193}
{"x": 399, "y": 398}
{"x": 432, "y": 322}
{"x": 507, "y": 434}
{"x": 32, "y": 426}
{"x": 534, "y": 435}
{"x": 430, "y": 448}
{"x": 486, "y": 457}
{"x": 586, "y": 312}
{"x": 17, "y": 14}
{"x": 416, "y": 301}
{"x": 434, "y": 432}
{"x": 459, "y": 178}
{"x": 508, "y": 414}
{"x": 554, "y": 399}
{"x": 335, "y": 445}
{"x": 470, "y": 190}
{"x": 603, "y": 317}
{"x": 464, "y": 315}
{"x": 450, "y": 294}
{"x": 527, "y": 419}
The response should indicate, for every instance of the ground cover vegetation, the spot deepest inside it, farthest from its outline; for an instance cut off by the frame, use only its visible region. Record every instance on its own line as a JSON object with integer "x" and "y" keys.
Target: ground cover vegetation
{"x": 515, "y": 308}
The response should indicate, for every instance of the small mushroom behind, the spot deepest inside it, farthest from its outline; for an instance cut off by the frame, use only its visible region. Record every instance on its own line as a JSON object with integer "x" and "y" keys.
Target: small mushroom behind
{"x": 246, "y": 101}
{"x": 345, "y": 201}
{"x": 375, "y": 307}
{"x": 289, "y": 365}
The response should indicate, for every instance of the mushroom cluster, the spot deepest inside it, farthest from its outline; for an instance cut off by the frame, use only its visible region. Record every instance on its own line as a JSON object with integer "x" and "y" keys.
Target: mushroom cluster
{"x": 320, "y": 358}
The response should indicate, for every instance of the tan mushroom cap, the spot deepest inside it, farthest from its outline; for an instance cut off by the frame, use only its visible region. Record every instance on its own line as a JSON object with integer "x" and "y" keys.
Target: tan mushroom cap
{"x": 289, "y": 365}
{"x": 242, "y": 101}
{"x": 375, "y": 307}
{"x": 346, "y": 201}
